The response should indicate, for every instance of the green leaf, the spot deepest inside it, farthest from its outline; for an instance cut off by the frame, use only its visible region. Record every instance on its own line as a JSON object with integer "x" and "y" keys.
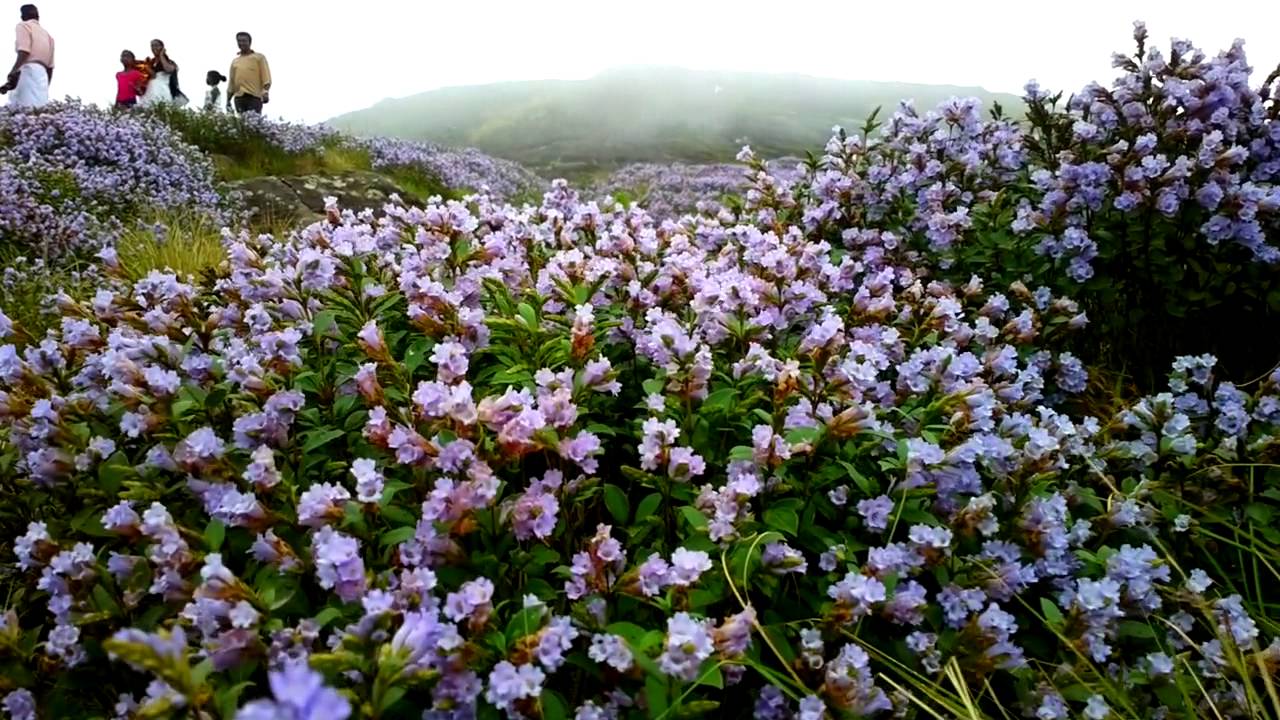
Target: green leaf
{"x": 528, "y": 315}
{"x": 113, "y": 473}
{"x": 214, "y": 533}
{"x": 391, "y": 697}
{"x": 782, "y": 519}
{"x": 655, "y": 692}
{"x": 395, "y": 536}
{"x": 526, "y": 622}
{"x": 104, "y": 601}
{"x": 630, "y": 632}
{"x": 319, "y": 438}
{"x": 719, "y": 400}
{"x": 1135, "y": 629}
{"x": 694, "y": 517}
{"x": 616, "y": 501}
{"x": 648, "y": 506}
{"x": 324, "y": 322}
{"x": 711, "y": 677}
{"x": 553, "y": 706}
{"x": 1052, "y": 614}
{"x": 416, "y": 354}
{"x": 326, "y": 616}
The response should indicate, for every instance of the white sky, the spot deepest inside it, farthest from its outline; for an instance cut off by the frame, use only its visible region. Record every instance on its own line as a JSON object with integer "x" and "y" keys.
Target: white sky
{"x": 331, "y": 56}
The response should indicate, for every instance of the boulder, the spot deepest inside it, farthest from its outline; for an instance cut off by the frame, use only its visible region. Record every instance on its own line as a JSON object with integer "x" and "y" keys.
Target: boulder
{"x": 275, "y": 201}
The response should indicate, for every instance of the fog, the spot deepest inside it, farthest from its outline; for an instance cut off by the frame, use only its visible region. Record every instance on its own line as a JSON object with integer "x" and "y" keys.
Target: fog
{"x": 328, "y": 57}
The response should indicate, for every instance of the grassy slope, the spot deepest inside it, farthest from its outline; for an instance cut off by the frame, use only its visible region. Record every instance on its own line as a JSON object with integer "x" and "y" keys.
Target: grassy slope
{"x": 575, "y": 128}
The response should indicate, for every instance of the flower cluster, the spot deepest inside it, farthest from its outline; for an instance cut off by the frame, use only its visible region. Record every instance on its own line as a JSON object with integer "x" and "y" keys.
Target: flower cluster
{"x": 464, "y": 169}
{"x": 675, "y": 189}
{"x": 572, "y": 459}
{"x": 72, "y": 176}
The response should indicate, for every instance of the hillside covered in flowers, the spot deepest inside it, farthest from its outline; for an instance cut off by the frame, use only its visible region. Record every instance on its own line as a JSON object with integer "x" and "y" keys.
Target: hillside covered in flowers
{"x": 962, "y": 416}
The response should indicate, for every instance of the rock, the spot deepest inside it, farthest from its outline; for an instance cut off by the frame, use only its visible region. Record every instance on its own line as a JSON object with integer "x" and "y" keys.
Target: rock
{"x": 270, "y": 202}
{"x": 275, "y": 201}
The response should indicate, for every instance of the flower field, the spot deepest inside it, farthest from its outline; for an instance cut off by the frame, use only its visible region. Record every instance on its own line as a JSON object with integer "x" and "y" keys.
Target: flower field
{"x": 929, "y": 425}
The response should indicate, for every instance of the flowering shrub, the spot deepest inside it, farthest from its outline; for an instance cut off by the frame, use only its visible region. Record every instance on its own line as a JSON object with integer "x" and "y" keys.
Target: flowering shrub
{"x": 675, "y": 189}
{"x": 570, "y": 461}
{"x": 71, "y": 176}
{"x": 465, "y": 169}
{"x": 237, "y": 135}
{"x": 1153, "y": 202}
{"x": 282, "y": 148}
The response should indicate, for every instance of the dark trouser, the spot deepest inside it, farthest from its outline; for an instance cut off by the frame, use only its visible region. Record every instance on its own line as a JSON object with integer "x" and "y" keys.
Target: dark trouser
{"x": 248, "y": 104}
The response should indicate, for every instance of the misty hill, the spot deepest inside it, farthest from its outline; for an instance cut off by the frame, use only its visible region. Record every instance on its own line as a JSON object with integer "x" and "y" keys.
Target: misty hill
{"x": 577, "y": 127}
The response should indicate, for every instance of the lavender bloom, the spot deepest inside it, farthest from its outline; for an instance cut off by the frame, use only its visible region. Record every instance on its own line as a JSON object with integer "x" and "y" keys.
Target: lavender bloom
{"x": 688, "y": 644}
{"x": 339, "y": 566}
{"x": 20, "y": 705}
{"x": 369, "y": 482}
{"x": 509, "y": 683}
{"x": 875, "y": 512}
{"x": 299, "y": 693}
{"x": 611, "y": 650}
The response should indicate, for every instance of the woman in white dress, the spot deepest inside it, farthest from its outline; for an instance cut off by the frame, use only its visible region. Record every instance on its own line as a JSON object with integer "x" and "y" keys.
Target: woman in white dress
{"x": 162, "y": 89}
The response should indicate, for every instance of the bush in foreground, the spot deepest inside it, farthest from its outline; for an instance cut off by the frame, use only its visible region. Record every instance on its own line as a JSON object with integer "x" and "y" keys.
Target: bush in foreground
{"x": 565, "y": 460}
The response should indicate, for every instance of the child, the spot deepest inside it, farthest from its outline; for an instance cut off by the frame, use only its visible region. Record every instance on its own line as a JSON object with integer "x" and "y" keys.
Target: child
{"x": 213, "y": 78}
{"x": 130, "y": 82}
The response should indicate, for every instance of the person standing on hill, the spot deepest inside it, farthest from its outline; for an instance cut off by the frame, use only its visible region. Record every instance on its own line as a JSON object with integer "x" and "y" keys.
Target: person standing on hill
{"x": 163, "y": 88}
{"x": 250, "y": 80}
{"x": 130, "y": 82}
{"x": 33, "y": 69}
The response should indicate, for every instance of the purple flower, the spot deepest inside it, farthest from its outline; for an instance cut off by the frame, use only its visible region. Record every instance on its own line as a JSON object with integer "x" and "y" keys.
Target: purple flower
{"x": 509, "y": 683}
{"x": 611, "y": 650}
{"x": 321, "y": 504}
{"x": 875, "y": 512}
{"x": 369, "y": 482}
{"x": 20, "y": 705}
{"x": 339, "y": 566}
{"x": 299, "y": 693}
{"x": 688, "y": 644}
{"x": 687, "y": 566}
{"x": 556, "y": 639}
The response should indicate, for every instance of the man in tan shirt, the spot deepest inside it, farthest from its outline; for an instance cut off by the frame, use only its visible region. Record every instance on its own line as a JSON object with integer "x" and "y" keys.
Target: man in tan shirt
{"x": 33, "y": 67}
{"x": 250, "y": 78}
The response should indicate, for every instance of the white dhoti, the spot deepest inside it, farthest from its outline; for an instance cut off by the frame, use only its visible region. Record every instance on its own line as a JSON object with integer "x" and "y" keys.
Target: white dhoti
{"x": 33, "y": 87}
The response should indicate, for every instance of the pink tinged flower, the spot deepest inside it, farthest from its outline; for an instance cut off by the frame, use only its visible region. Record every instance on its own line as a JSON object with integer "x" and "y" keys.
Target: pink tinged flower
{"x": 733, "y": 637}
{"x": 321, "y": 504}
{"x": 261, "y": 472}
{"x": 534, "y": 514}
{"x": 509, "y": 684}
{"x": 599, "y": 376}
{"x": 684, "y": 464}
{"x": 370, "y": 338}
{"x": 555, "y": 640}
{"x": 366, "y": 379}
{"x": 451, "y": 361}
{"x": 269, "y": 549}
{"x": 582, "y": 450}
{"x": 122, "y": 518}
{"x": 471, "y": 602}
